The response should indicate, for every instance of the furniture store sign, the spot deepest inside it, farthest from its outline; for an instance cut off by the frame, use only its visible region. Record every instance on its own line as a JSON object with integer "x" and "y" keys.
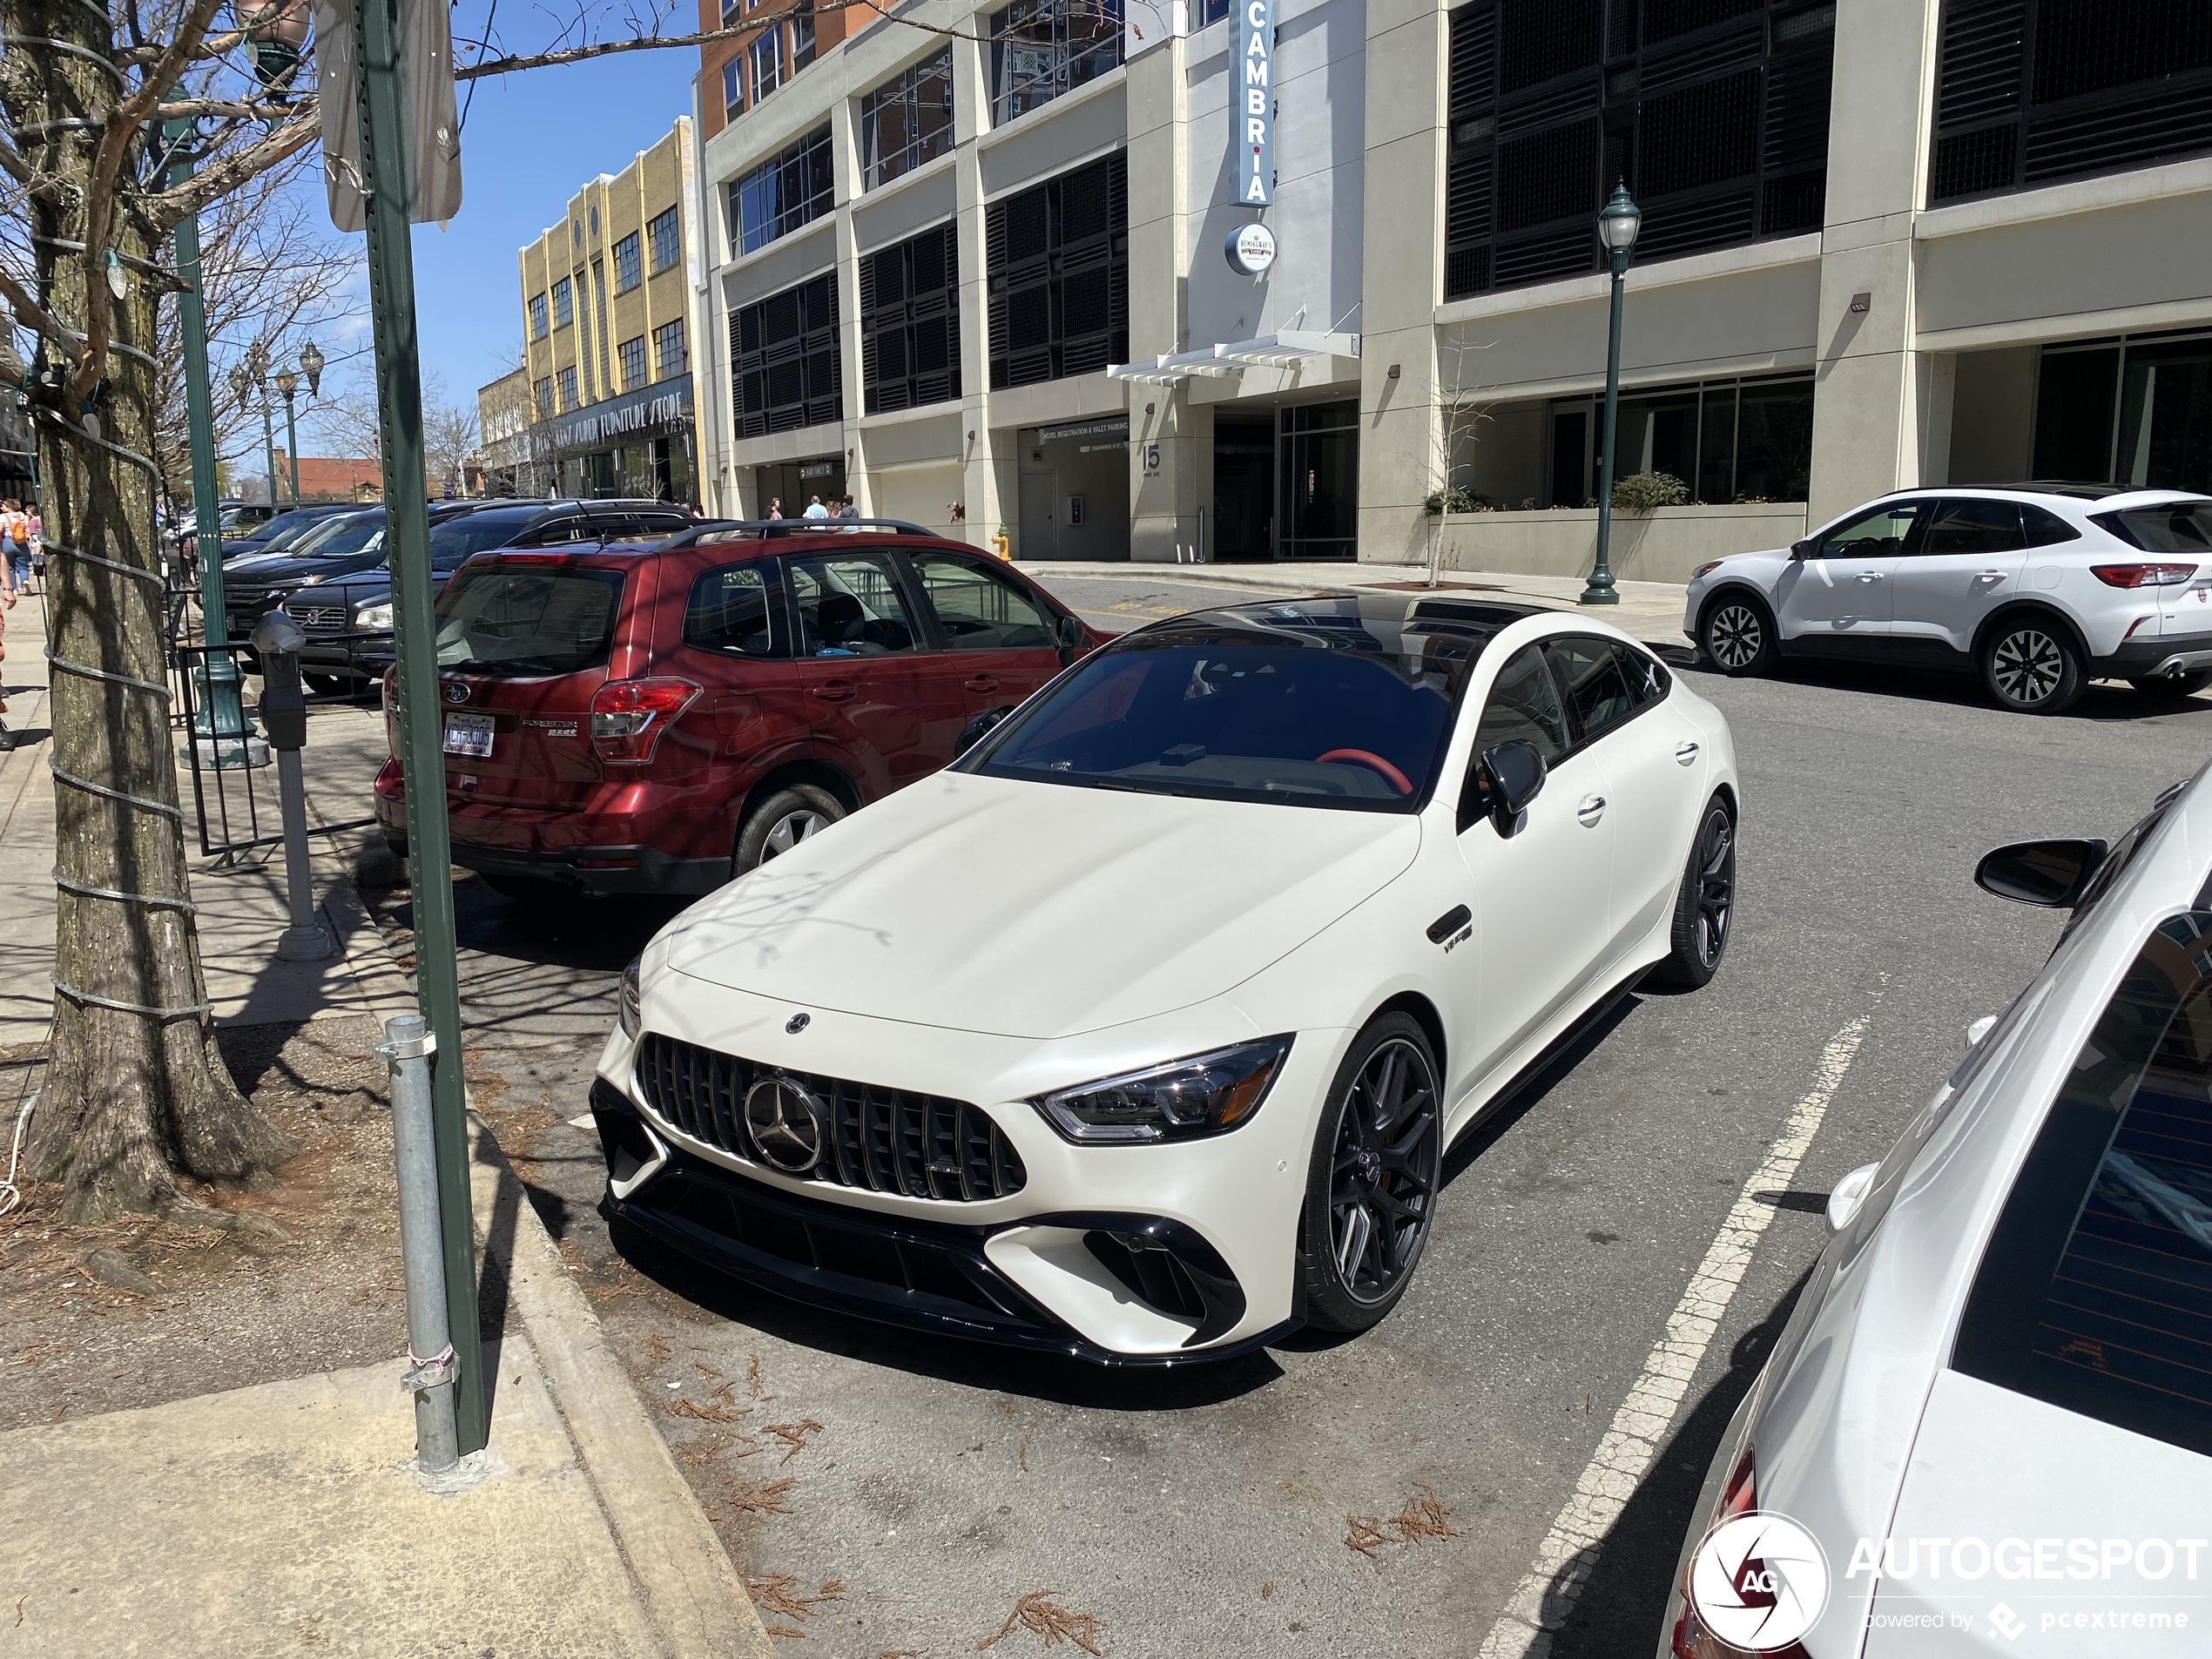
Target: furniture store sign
{"x": 649, "y": 409}
{"x": 1251, "y": 106}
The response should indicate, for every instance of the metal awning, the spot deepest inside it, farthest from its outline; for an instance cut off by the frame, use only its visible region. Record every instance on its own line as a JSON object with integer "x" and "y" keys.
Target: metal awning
{"x": 1287, "y": 349}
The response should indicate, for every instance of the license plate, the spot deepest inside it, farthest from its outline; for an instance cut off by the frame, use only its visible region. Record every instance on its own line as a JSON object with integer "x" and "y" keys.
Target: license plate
{"x": 469, "y": 734}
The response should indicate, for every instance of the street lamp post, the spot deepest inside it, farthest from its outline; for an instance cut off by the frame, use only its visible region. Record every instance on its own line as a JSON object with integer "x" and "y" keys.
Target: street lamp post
{"x": 257, "y": 376}
{"x": 286, "y": 384}
{"x": 1617, "y": 228}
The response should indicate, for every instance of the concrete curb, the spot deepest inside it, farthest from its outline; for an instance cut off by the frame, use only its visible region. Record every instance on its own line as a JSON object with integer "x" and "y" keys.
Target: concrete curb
{"x": 691, "y": 1592}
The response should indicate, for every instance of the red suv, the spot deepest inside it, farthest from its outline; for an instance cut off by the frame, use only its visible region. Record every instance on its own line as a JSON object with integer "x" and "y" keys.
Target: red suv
{"x": 660, "y": 717}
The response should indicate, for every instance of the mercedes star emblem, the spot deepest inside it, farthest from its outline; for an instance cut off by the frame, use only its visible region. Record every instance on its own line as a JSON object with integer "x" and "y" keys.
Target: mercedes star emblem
{"x": 798, "y": 1023}
{"x": 786, "y": 1123}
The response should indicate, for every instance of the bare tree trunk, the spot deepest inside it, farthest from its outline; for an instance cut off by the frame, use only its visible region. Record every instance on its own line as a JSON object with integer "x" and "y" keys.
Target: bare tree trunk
{"x": 137, "y": 1100}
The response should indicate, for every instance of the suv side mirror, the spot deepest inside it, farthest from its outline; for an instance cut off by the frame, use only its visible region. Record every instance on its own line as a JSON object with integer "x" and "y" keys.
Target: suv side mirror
{"x": 1801, "y": 549}
{"x": 2053, "y": 875}
{"x": 1503, "y": 784}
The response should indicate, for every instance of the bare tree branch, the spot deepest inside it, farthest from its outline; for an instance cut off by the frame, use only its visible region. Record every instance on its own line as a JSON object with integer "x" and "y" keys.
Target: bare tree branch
{"x": 654, "y": 42}
{"x": 33, "y": 315}
{"x": 213, "y": 182}
{"x": 198, "y": 107}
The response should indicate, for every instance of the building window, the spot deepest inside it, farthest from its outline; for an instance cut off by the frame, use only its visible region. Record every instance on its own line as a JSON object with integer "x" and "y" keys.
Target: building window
{"x": 1720, "y": 129}
{"x": 1319, "y": 471}
{"x": 668, "y": 350}
{"x": 632, "y": 352}
{"x": 775, "y": 198}
{"x": 785, "y": 366}
{"x": 1057, "y": 257}
{"x": 2137, "y": 413}
{"x": 541, "y": 397}
{"x": 730, "y": 11}
{"x": 665, "y": 233}
{"x": 1208, "y": 11}
{"x": 1041, "y": 50}
{"x": 1727, "y": 441}
{"x": 569, "y": 399}
{"x": 908, "y": 121}
{"x": 910, "y": 322}
{"x": 628, "y": 272}
{"x": 563, "y": 303}
{"x": 537, "y": 316}
{"x": 575, "y": 231}
{"x": 733, "y": 92}
{"x": 2030, "y": 92}
{"x": 802, "y": 36}
{"x": 594, "y": 219}
{"x": 767, "y": 65}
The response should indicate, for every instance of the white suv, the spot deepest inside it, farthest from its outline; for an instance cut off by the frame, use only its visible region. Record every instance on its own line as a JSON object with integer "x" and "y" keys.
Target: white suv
{"x": 2037, "y": 588}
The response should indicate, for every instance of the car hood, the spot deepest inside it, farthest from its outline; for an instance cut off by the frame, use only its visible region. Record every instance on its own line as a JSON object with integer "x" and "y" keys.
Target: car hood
{"x": 282, "y": 570}
{"x": 1036, "y": 910}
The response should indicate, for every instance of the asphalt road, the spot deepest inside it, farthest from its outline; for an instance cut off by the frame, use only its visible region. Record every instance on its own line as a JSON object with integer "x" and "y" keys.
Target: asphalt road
{"x": 1208, "y": 1513}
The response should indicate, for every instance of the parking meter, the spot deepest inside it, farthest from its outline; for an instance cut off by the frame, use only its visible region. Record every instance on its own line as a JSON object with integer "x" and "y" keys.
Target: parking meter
{"x": 283, "y": 707}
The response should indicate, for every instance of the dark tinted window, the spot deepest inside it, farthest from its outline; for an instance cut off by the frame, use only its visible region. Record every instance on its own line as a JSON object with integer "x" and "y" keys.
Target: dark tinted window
{"x": 1973, "y": 527}
{"x": 2046, "y": 529}
{"x": 2183, "y": 527}
{"x": 456, "y": 538}
{"x": 1525, "y": 706}
{"x": 1596, "y": 689}
{"x": 733, "y": 610}
{"x": 516, "y": 619}
{"x": 1878, "y": 533}
{"x": 1648, "y": 683}
{"x": 2095, "y": 1291}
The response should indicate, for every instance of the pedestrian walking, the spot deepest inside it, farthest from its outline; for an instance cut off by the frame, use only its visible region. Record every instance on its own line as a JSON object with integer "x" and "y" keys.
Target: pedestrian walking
{"x": 775, "y": 506}
{"x": 814, "y": 508}
{"x": 38, "y": 548}
{"x": 846, "y": 508}
{"x": 15, "y": 542}
{"x": 7, "y": 603}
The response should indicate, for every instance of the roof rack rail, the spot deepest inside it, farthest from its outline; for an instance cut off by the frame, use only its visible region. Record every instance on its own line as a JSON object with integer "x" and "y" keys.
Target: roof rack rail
{"x": 767, "y": 529}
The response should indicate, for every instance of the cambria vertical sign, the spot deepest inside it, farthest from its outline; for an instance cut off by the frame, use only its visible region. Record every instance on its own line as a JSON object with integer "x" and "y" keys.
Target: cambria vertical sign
{"x": 1251, "y": 106}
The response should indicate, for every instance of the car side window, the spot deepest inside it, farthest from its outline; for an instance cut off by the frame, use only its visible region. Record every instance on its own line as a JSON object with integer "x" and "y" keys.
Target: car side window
{"x": 732, "y": 609}
{"x": 2044, "y": 527}
{"x": 2094, "y": 1292}
{"x": 1963, "y": 526}
{"x": 1878, "y": 533}
{"x": 1648, "y": 682}
{"x": 1524, "y": 704}
{"x": 978, "y": 609}
{"x": 849, "y": 606}
{"x": 1591, "y": 675}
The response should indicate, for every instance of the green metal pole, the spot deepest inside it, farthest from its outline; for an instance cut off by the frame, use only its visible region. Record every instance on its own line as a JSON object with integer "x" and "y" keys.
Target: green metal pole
{"x": 1602, "y": 590}
{"x": 200, "y": 403}
{"x": 291, "y": 447}
{"x": 269, "y": 448}
{"x": 388, "y": 185}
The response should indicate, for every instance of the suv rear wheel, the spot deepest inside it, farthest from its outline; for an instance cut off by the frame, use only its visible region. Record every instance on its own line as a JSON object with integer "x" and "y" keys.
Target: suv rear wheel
{"x": 781, "y": 822}
{"x": 2031, "y": 667}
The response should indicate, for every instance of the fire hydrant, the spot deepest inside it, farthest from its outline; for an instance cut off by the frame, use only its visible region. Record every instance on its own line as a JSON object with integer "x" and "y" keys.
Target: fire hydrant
{"x": 1003, "y": 544}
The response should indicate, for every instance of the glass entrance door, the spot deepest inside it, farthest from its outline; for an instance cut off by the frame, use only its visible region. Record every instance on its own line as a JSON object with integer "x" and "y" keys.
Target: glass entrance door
{"x": 1319, "y": 489}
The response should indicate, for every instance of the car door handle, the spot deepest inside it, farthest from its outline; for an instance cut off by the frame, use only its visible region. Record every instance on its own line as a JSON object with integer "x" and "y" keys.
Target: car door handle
{"x": 1685, "y": 753}
{"x": 1870, "y": 575}
{"x": 1589, "y": 810}
{"x": 1991, "y": 576}
{"x": 982, "y": 683}
{"x": 834, "y": 690}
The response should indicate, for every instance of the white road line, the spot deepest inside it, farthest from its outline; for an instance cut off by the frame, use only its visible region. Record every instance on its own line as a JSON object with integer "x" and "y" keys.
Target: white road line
{"x": 1545, "y": 1596}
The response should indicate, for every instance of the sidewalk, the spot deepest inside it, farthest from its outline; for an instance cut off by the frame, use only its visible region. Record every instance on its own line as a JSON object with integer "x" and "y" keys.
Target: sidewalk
{"x": 1651, "y": 611}
{"x": 282, "y": 1517}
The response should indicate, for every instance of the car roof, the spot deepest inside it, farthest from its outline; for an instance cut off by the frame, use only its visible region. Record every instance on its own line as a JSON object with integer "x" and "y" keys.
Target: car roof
{"x": 2073, "y": 494}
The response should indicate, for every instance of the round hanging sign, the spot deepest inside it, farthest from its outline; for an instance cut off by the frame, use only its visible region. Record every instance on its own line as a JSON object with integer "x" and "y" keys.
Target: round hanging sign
{"x": 1250, "y": 249}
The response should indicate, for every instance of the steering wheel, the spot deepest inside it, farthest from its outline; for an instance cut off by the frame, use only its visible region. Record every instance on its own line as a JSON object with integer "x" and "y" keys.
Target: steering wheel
{"x": 1396, "y": 779}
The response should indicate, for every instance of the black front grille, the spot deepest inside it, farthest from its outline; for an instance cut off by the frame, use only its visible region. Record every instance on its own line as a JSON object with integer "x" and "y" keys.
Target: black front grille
{"x": 880, "y": 1139}
{"x": 323, "y": 620}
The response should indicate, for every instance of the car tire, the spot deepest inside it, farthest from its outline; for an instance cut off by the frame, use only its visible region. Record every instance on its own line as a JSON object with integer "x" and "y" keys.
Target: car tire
{"x": 330, "y": 684}
{"x": 1737, "y": 636}
{"x": 2030, "y": 666}
{"x": 1704, "y": 905}
{"x": 1381, "y": 1138}
{"x": 2171, "y": 688}
{"x": 780, "y": 822}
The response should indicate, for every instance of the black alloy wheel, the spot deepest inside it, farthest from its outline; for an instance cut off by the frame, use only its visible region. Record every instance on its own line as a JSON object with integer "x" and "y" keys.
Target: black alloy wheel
{"x": 1372, "y": 1188}
{"x": 1738, "y": 637}
{"x": 2031, "y": 668}
{"x": 1704, "y": 905}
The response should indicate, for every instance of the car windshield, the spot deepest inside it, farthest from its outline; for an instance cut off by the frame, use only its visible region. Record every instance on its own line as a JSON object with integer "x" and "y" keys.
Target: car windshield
{"x": 1308, "y": 704}
{"x": 527, "y": 620}
{"x": 287, "y": 531}
{"x": 362, "y": 533}
{"x": 2175, "y": 527}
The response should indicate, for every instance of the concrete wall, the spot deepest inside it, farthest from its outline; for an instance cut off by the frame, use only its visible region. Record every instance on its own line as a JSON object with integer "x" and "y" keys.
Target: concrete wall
{"x": 1663, "y": 546}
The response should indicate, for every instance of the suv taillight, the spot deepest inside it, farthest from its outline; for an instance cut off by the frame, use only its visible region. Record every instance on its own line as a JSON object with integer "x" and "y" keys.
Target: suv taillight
{"x": 628, "y": 716}
{"x": 2143, "y": 575}
{"x": 392, "y": 689}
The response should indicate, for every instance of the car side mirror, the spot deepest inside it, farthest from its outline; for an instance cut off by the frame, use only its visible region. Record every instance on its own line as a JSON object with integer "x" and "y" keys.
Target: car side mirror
{"x": 1802, "y": 550}
{"x": 2053, "y": 875}
{"x": 1069, "y": 637}
{"x": 1503, "y": 784}
{"x": 975, "y": 732}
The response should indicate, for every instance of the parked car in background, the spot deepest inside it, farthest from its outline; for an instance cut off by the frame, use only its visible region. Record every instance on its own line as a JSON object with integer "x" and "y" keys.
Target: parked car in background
{"x": 2037, "y": 588}
{"x": 654, "y": 717}
{"x": 1141, "y": 1032}
{"x": 286, "y": 530}
{"x": 1990, "y": 1408}
{"x": 341, "y": 546}
{"x": 348, "y": 621}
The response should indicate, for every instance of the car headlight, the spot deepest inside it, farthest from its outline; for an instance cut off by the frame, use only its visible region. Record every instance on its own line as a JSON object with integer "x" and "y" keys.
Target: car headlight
{"x": 1705, "y": 569}
{"x": 629, "y": 1002}
{"x": 1207, "y": 1094}
{"x": 309, "y": 580}
{"x": 374, "y": 619}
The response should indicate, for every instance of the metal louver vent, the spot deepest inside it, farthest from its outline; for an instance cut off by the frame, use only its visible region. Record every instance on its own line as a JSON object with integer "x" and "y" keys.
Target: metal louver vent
{"x": 785, "y": 360}
{"x": 910, "y": 322}
{"x": 1057, "y": 259}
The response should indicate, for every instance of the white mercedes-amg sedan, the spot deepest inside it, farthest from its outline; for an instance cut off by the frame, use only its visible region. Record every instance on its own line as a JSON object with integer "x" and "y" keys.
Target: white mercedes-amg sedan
{"x": 1140, "y": 1032}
